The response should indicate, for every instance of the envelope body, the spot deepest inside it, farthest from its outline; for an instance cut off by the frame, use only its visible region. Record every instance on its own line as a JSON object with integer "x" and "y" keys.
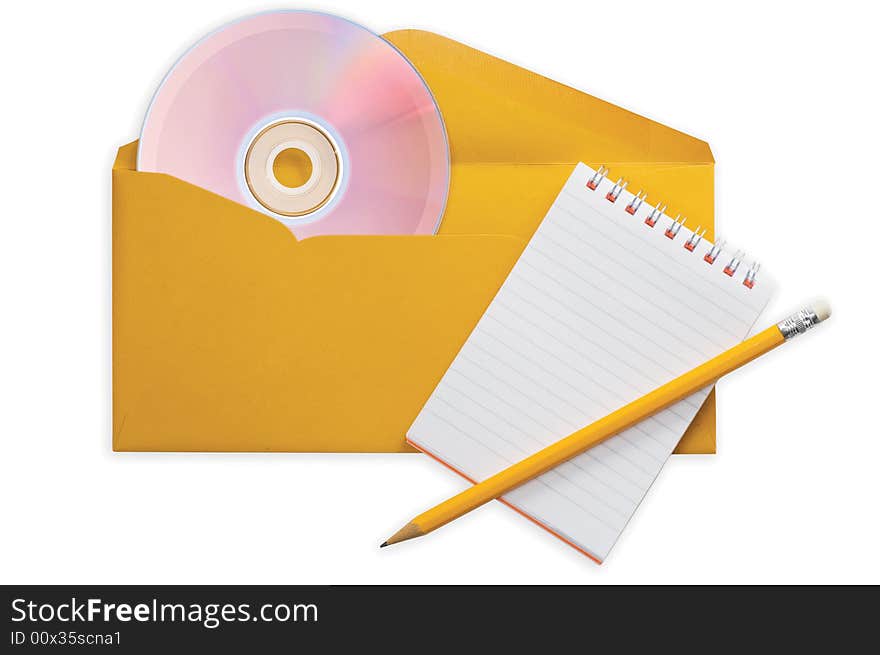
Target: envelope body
{"x": 231, "y": 335}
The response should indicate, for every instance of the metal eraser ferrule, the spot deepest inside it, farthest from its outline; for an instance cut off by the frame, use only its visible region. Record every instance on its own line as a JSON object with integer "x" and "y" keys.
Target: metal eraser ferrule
{"x": 798, "y": 323}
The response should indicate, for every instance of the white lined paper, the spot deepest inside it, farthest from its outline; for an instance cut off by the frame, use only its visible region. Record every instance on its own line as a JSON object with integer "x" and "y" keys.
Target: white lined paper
{"x": 599, "y": 310}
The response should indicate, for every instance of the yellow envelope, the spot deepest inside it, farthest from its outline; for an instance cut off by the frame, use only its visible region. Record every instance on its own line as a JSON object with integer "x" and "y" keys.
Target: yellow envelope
{"x": 231, "y": 335}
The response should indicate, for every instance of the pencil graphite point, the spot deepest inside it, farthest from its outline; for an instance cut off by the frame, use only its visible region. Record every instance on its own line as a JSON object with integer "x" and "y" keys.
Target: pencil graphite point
{"x": 383, "y": 544}
{"x": 409, "y": 531}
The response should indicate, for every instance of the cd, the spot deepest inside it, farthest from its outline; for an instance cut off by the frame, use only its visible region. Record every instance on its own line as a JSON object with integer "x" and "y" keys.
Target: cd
{"x": 308, "y": 118}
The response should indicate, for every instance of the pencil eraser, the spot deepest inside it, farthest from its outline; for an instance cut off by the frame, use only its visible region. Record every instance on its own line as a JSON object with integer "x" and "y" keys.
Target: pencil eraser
{"x": 822, "y": 309}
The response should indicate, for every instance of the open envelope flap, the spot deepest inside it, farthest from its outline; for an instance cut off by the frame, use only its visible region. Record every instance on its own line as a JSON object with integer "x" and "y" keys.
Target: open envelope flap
{"x": 229, "y": 334}
{"x": 515, "y": 136}
{"x": 498, "y": 112}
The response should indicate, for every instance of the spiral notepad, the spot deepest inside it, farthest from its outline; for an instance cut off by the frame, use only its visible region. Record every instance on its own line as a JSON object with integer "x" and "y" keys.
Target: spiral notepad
{"x": 609, "y": 300}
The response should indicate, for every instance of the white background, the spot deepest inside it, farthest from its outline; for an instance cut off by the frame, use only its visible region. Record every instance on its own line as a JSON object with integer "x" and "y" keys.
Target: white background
{"x": 786, "y": 95}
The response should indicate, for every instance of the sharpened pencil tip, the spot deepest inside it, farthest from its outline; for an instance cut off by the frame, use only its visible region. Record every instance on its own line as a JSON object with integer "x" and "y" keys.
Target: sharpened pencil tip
{"x": 409, "y": 531}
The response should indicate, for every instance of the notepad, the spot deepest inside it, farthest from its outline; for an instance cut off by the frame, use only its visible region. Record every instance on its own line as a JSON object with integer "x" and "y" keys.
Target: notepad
{"x": 609, "y": 300}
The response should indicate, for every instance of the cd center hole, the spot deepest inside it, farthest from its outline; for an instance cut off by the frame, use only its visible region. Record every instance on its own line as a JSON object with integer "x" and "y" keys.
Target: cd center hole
{"x": 292, "y": 168}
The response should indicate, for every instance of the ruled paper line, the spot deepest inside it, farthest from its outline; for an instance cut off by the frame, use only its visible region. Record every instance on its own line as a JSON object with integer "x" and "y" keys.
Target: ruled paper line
{"x": 598, "y": 253}
{"x": 621, "y": 399}
{"x": 538, "y": 445}
{"x": 585, "y": 509}
{"x": 606, "y": 407}
{"x": 571, "y": 427}
{"x": 542, "y": 429}
{"x": 719, "y": 288}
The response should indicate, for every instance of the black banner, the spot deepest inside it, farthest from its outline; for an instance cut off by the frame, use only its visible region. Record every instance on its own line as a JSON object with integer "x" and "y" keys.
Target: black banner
{"x": 324, "y": 619}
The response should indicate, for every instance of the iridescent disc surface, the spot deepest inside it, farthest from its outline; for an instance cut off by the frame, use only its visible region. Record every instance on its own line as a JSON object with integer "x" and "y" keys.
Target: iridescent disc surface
{"x": 339, "y": 95}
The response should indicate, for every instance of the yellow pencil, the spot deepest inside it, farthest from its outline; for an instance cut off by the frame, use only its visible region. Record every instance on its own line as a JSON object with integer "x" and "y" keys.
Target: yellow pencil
{"x": 616, "y": 422}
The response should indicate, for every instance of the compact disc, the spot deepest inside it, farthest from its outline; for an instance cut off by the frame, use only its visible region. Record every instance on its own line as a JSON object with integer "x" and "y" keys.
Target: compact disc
{"x": 308, "y": 118}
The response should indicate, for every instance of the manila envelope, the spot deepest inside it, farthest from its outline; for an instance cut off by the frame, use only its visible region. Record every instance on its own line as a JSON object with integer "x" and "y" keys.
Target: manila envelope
{"x": 229, "y": 334}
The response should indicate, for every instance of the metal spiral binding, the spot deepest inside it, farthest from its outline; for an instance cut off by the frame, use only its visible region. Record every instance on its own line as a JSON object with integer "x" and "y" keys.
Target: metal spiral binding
{"x": 619, "y": 186}
{"x": 714, "y": 251}
{"x": 637, "y": 201}
{"x": 730, "y": 269}
{"x": 671, "y": 232}
{"x": 749, "y": 279}
{"x": 655, "y": 215}
{"x": 598, "y": 176}
{"x": 695, "y": 239}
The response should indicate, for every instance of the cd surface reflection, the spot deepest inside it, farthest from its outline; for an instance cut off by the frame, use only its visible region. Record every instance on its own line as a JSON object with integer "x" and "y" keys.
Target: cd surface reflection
{"x": 308, "y": 118}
